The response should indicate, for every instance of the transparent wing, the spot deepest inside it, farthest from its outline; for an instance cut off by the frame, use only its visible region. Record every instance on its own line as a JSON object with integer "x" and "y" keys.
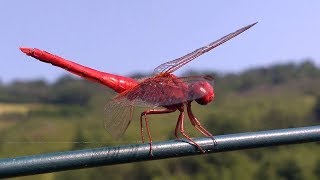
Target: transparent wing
{"x": 161, "y": 91}
{"x": 173, "y": 65}
{"x": 197, "y": 78}
{"x": 118, "y": 118}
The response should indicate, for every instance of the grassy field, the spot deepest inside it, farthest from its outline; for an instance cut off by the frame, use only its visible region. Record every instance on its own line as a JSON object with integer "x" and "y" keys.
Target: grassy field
{"x": 42, "y": 133}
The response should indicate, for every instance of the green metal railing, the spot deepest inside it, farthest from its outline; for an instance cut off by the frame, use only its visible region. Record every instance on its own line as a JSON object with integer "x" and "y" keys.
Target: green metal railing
{"x": 60, "y": 161}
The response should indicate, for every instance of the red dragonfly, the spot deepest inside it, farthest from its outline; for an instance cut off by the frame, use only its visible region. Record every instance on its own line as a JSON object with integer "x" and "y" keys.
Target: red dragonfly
{"x": 162, "y": 93}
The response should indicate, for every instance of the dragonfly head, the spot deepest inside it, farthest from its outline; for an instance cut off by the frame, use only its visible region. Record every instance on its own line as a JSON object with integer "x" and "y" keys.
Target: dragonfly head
{"x": 202, "y": 92}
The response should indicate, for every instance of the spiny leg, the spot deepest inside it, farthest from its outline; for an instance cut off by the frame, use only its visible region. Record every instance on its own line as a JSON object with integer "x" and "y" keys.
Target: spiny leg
{"x": 180, "y": 123}
{"x": 144, "y": 114}
{"x": 176, "y": 129}
{"x": 141, "y": 129}
{"x": 194, "y": 121}
{"x": 149, "y": 135}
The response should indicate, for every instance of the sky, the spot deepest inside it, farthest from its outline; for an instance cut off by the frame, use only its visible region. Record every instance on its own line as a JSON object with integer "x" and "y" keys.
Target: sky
{"x": 125, "y": 37}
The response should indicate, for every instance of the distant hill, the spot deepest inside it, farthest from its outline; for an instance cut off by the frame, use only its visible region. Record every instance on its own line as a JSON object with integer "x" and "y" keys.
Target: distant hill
{"x": 70, "y": 90}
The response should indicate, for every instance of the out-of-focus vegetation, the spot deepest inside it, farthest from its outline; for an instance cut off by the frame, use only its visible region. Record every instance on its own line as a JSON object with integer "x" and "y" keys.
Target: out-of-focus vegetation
{"x": 38, "y": 117}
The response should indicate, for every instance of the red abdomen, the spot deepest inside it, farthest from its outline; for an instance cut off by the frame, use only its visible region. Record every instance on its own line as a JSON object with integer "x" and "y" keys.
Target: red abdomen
{"x": 115, "y": 82}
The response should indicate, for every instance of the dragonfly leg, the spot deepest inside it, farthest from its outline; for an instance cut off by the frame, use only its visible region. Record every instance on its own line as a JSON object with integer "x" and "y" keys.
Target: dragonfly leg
{"x": 149, "y": 135}
{"x": 196, "y": 123}
{"x": 177, "y": 129}
{"x": 141, "y": 128}
{"x": 144, "y": 115}
{"x": 181, "y": 124}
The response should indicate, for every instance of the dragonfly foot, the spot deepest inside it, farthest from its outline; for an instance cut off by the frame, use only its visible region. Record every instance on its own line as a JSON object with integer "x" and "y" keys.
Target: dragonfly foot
{"x": 214, "y": 141}
{"x": 150, "y": 151}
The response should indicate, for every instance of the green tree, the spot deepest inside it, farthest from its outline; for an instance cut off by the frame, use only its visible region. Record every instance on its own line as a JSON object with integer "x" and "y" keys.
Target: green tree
{"x": 289, "y": 170}
{"x": 316, "y": 170}
{"x": 316, "y": 109}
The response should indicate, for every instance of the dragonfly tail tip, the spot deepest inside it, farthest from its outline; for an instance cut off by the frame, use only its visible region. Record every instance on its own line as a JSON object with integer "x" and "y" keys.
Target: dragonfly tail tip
{"x": 26, "y": 50}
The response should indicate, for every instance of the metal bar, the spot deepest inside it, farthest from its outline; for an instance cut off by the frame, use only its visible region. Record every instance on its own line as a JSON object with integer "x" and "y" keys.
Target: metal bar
{"x": 59, "y": 161}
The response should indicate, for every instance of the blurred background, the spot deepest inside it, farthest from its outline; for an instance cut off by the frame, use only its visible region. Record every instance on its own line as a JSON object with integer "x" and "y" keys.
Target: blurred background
{"x": 266, "y": 78}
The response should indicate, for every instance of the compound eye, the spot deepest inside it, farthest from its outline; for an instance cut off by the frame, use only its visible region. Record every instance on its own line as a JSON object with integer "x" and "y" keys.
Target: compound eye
{"x": 202, "y": 92}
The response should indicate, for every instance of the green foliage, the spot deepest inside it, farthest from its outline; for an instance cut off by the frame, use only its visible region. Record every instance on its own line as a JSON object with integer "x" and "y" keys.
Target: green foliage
{"x": 316, "y": 170}
{"x": 68, "y": 115}
{"x": 289, "y": 169}
{"x": 316, "y": 109}
{"x": 66, "y": 90}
